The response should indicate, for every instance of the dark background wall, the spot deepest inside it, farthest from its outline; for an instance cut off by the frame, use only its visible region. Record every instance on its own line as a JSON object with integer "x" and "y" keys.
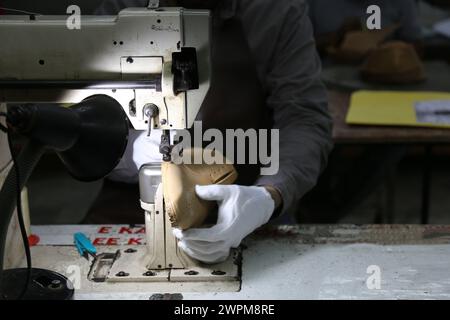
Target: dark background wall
{"x": 50, "y": 6}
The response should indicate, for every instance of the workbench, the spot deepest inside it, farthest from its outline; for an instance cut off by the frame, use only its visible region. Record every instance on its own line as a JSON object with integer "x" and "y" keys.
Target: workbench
{"x": 391, "y": 137}
{"x": 343, "y": 133}
{"x": 283, "y": 262}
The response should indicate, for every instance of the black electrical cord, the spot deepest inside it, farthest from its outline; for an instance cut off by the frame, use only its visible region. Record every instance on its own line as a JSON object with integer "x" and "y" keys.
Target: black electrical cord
{"x": 23, "y": 230}
{"x": 2, "y": 127}
{"x": 5, "y": 130}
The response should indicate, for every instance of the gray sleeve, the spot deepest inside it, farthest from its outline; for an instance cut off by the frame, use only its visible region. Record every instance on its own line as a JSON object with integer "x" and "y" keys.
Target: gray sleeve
{"x": 297, "y": 97}
{"x": 410, "y": 29}
{"x": 113, "y": 7}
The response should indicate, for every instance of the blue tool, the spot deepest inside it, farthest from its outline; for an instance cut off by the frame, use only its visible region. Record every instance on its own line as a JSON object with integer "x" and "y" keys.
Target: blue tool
{"x": 84, "y": 245}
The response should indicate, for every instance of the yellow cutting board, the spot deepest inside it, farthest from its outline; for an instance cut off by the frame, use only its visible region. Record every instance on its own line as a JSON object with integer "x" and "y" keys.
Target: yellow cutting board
{"x": 390, "y": 108}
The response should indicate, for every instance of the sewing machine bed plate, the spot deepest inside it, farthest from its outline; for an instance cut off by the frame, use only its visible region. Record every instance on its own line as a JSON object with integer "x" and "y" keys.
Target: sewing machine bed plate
{"x": 286, "y": 262}
{"x": 131, "y": 261}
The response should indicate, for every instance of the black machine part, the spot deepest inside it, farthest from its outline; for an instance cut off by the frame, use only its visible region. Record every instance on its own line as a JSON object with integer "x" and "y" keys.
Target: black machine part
{"x": 185, "y": 70}
{"x": 90, "y": 138}
{"x": 44, "y": 285}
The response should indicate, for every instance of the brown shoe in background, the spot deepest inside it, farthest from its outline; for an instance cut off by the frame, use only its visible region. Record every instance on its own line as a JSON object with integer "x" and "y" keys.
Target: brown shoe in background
{"x": 394, "y": 62}
{"x": 356, "y": 45}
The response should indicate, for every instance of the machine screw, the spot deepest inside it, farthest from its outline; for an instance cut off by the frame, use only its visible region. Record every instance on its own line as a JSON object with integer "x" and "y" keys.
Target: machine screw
{"x": 130, "y": 250}
{"x": 151, "y": 110}
{"x": 191, "y": 273}
{"x": 218, "y": 273}
{"x": 122, "y": 274}
{"x": 163, "y": 122}
{"x": 149, "y": 274}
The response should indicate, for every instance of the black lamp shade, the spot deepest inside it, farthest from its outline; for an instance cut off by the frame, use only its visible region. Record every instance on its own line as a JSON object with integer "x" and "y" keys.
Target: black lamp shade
{"x": 102, "y": 139}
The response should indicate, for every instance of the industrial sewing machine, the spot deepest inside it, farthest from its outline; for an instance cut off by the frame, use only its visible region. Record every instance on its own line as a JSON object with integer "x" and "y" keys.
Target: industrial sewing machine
{"x": 156, "y": 63}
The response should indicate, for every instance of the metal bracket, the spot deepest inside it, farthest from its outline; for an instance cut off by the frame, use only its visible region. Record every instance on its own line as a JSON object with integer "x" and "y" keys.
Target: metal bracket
{"x": 163, "y": 251}
{"x": 102, "y": 265}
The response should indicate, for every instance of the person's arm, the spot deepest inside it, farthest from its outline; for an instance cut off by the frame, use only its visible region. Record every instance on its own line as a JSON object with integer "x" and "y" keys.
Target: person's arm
{"x": 410, "y": 29}
{"x": 291, "y": 75}
{"x": 280, "y": 36}
{"x": 276, "y": 197}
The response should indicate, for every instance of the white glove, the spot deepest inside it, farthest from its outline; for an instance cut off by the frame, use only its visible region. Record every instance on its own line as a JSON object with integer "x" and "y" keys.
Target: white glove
{"x": 241, "y": 211}
{"x": 140, "y": 150}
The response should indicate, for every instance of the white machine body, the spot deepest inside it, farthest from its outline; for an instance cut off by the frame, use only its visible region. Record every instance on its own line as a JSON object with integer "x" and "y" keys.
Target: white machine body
{"x": 128, "y": 57}
{"x": 108, "y": 55}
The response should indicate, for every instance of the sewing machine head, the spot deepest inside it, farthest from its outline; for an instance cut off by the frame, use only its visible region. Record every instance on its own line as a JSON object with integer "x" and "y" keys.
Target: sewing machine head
{"x": 153, "y": 62}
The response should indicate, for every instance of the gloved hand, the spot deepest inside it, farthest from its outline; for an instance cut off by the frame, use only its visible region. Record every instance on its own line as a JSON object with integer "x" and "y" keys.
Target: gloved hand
{"x": 140, "y": 150}
{"x": 241, "y": 211}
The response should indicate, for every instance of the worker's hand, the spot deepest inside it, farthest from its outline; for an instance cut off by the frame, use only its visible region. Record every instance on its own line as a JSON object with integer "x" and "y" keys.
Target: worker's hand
{"x": 241, "y": 211}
